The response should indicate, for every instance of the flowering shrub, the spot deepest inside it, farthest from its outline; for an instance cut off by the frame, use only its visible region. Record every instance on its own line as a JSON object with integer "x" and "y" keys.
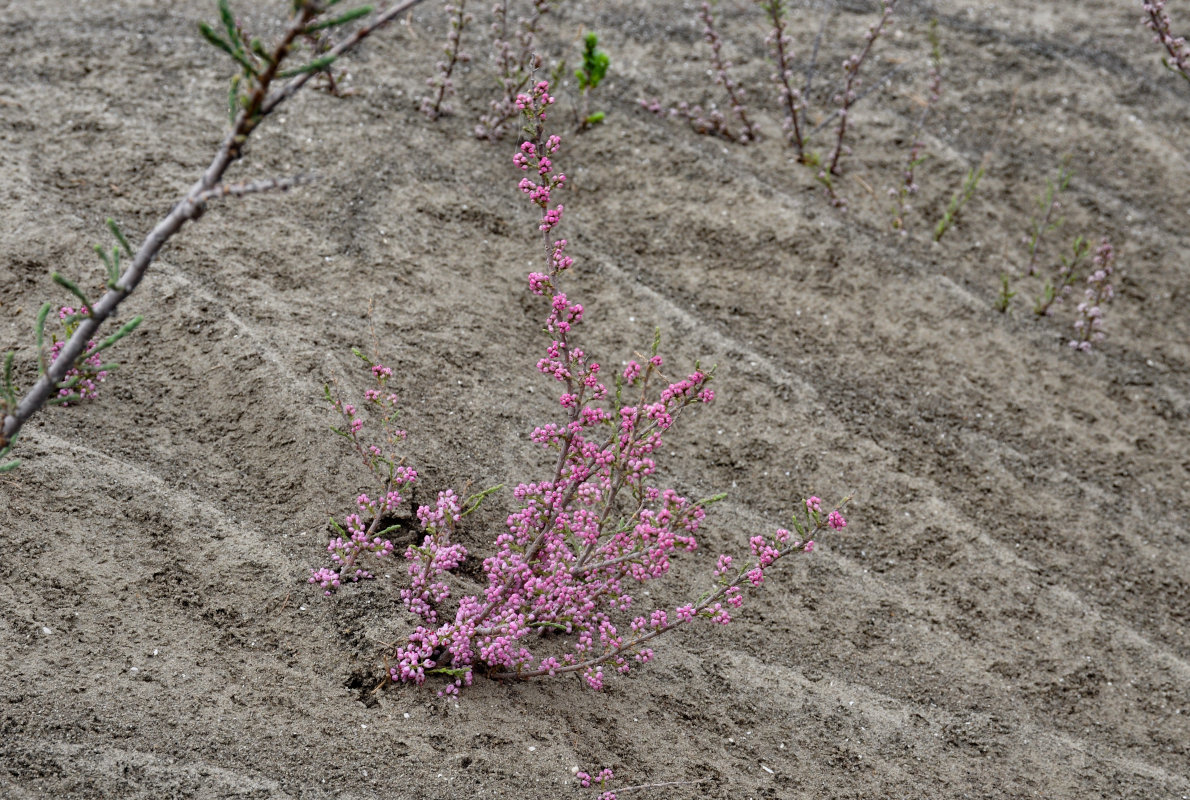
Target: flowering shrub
{"x": 712, "y": 121}
{"x": 559, "y": 584}
{"x": 514, "y": 50}
{"x": 721, "y": 69}
{"x": 792, "y": 102}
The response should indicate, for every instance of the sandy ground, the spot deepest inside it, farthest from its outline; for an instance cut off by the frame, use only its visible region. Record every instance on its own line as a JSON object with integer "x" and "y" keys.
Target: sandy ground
{"x": 1005, "y": 617}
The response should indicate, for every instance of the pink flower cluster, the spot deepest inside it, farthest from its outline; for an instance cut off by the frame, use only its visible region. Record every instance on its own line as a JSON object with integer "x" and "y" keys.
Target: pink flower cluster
{"x": 602, "y": 779}
{"x": 356, "y": 537}
{"x": 346, "y": 549}
{"x": 1099, "y": 293}
{"x": 80, "y": 382}
{"x": 434, "y": 557}
{"x": 1157, "y": 20}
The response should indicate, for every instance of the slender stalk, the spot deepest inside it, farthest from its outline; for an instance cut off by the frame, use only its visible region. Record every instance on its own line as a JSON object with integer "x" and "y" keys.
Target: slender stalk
{"x": 793, "y": 101}
{"x": 852, "y": 66}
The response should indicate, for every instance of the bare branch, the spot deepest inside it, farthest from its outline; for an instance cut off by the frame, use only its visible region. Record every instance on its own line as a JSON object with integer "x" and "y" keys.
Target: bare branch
{"x": 254, "y": 187}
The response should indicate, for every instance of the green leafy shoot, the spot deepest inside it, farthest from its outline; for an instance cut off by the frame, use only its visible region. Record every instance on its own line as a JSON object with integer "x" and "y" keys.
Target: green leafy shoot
{"x": 951, "y": 215}
{"x": 589, "y": 76}
{"x": 317, "y": 65}
{"x": 1004, "y": 299}
{"x": 125, "y": 329}
{"x": 473, "y": 502}
{"x": 595, "y": 64}
{"x": 342, "y": 19}
{"x": 70, "y": 286}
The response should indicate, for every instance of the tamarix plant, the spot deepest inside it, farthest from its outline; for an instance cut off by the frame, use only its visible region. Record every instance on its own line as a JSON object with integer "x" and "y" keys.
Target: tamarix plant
{"x": 847, "y": 96}
{"x": 1156, "y": 20}
{"x": 442, "y": 85}
{"x": 1099, "y": 292}
{"x": 559, "y": 596}
{"x": 513, "y": 50}
{"x": 917, "y": 151}
{"x": 711, "y": 121}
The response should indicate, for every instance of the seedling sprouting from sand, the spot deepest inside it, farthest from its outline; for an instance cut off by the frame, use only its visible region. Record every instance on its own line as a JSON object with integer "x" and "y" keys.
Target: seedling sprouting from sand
{"x": 1066, "y": 274}
{"x": 960, "y": 199}
{"x": 1004, "y": 298}
{"x": 262, "y": 84}
{"x": 1046, "y": 220}
{"x": 589, "y": 76}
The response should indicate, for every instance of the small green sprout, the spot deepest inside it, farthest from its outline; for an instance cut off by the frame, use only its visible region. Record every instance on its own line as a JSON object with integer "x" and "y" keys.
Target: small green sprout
{"x": 589, "y": 76}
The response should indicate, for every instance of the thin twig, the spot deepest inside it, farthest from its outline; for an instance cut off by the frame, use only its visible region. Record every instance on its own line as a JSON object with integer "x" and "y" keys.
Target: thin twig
{"x": 254, "y": 187}
{"x": 661, "y": 785}
{"x": 880, "y": 84}
{"x": 830, "y": 9}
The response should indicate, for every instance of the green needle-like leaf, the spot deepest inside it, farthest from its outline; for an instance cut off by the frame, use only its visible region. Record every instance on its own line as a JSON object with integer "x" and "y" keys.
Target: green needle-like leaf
{"x": 238, "y": 54}
{"x": 57, "y": 401}
{"x": 10, "y": 466}
{"x": 715, "y": 498}
{"x": 261, "y": 53}
{"x": 342, "y": 19}
{"x": 70, "y": 286}
{"x": 119, "y": 234}
{"x": 229, "y": 22}
{"x": 473, "y": 502}
{"x": 127, "y": 328}
{"x": 317, "y": 65}
{"x": 107, "y": 260}
{"x": 209, "y": 34}
{"x": 39, "y": 327}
